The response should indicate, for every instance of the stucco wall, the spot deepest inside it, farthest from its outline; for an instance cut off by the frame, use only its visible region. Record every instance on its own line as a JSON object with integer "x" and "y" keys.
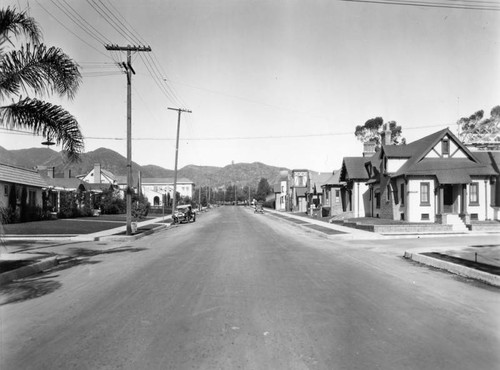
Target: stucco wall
{"x": 414, "y": 209}
{"x": 483, "y": 209}
{"x": 4, "y": 196}
{"x": 360, "y": 196}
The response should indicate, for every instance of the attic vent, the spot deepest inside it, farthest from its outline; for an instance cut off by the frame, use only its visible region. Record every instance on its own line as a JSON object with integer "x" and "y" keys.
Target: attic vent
{"x": 445, "y": 146}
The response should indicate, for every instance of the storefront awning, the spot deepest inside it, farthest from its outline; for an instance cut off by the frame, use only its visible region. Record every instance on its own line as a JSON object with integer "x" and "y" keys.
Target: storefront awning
{"x": 453, "y": 177}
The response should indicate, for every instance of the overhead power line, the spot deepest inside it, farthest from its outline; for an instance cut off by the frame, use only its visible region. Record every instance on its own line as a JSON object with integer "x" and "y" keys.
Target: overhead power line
{"x": 71, "y": 31}
{"x": 447, "y": 4}
{"x": 116, "y": 20}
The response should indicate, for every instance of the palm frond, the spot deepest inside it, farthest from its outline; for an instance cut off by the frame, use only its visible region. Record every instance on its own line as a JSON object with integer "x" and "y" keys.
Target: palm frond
{"x": 43, "y": 118}
{"x": 44, "y": 70}
{"x": 17, "y": 23}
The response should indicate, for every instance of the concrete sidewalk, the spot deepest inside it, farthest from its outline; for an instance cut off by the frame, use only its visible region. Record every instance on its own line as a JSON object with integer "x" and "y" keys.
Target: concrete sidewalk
{"x": 454, "y": 260}
{"x": 332, "y": 231}
{"x": 36, "y": 253}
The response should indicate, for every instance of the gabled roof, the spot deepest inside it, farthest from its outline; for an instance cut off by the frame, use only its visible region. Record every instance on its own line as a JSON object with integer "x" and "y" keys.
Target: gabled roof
{"x": 353, "y": 168}
{"x": 99, "y": 186}
{"x": 318, "y": 180}
{"x": 489, "y": 158}
{"x": 64, "y": 183}
{"x": 334, "y": 179}
{"x": 418, "y": 165}
{"x": 21, "y": 176}
{"x": 433, "y": 166}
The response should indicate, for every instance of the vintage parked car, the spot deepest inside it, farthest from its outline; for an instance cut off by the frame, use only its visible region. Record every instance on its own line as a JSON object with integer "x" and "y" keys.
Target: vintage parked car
{"x": 184, "y": 213}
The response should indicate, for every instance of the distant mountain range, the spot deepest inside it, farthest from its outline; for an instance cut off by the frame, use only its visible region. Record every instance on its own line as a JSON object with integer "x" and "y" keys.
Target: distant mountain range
{"x": 241, "y": 173}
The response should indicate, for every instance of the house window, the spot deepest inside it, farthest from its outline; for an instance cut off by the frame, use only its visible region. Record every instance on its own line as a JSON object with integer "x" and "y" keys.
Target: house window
{"x": 425, "y": 196}
{"x": 337, "y": 196}
{"x": 424, "y": 217}
{"x": 300, "y": 181}
{"x": 327, "y": 195}
{"x": 377, "y": 200}
{"x": 32, "y": 198}
{"x": 388, "y": 195}
{"x": 6, "y": 190}
{"x": 474, "y": 194}
{"x": 403, "y": 194}
{"x": 445, "y": 146}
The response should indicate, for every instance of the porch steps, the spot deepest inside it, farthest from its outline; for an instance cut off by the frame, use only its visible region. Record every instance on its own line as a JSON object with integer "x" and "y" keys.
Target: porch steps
{"x": 456, "y": 222}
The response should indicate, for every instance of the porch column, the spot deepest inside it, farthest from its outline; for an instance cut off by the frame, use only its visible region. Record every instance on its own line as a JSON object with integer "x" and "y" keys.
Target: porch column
{"x": 464, "y": 199}
{"x": 486, "y": 200}
{"x": 441, "y": 200}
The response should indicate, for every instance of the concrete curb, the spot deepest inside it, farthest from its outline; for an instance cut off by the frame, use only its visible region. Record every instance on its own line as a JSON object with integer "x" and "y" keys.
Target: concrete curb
{"x": 26, "y": 271}
{"x": 124, "y": 238}
{"x": 345, "y": 233}
{"x": 50, "y": 262}
{"x": 454, "y": 268}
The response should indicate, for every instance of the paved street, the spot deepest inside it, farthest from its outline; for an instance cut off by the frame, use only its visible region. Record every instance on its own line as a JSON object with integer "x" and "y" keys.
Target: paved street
{"x": 238, "y": 290}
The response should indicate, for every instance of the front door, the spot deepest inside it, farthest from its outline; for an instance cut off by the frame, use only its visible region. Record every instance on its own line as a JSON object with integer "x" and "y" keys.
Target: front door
{"x": 449, "y": 198}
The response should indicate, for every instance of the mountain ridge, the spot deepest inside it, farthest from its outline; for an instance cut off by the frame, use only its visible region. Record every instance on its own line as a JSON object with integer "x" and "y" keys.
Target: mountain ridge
{"x": 242, "y": 174}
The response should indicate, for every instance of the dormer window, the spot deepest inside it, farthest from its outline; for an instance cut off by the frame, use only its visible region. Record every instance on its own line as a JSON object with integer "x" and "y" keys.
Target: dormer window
{"x": 445, "y": 144}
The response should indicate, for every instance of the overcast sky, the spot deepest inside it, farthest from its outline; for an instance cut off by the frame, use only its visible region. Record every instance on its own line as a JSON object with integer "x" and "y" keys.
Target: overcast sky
{"x": 279, "y": 82}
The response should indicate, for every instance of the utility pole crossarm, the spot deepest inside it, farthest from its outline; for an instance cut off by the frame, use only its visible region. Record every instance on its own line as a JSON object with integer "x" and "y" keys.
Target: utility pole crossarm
{"x": 129, "y": 70}
{"x": 127, "y": 48}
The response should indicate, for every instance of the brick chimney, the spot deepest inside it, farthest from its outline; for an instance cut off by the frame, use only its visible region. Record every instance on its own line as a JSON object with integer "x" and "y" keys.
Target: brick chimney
{"x": 386, "y": 140}
{"x": 50, "y": 172}
{"x": 369, "y": 149}
{"x": 97, "y": 173}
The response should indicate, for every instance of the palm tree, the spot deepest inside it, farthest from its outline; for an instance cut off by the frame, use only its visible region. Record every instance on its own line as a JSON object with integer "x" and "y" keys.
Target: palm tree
{"x": 37, "y": 70}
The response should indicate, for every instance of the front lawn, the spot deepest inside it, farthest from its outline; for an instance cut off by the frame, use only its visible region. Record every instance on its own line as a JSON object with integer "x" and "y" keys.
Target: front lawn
{"x": 70, "y": 226}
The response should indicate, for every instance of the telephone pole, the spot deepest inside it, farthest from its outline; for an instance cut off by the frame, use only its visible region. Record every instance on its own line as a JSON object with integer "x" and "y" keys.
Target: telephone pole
{"x": 179, "y": 111}
{"x": 129, "y": 70}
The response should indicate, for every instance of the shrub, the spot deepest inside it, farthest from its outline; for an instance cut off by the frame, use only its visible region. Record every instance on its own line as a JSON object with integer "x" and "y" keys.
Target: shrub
{"x": 112, "y": 203}
{"x": 7, "y": 215}
{"x": 140, "y": 207}
{"x": 67, "y": 205}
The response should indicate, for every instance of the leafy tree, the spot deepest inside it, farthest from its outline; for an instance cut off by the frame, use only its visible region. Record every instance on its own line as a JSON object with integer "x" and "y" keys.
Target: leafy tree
{"x": 36, "y": 69}
{"x": 373, "y": 131}
{"x": 476, "y": 129}
{"x": 263, "y": 189}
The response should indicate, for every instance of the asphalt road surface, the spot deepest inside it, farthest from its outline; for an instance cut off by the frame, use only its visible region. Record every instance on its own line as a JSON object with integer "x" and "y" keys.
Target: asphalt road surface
{"x": 238, "y": 290}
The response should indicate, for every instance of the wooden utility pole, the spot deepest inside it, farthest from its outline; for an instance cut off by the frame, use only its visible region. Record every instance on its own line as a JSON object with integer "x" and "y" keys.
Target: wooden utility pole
{"x": 129, "y": 70}
{"x": 179, "y": 111}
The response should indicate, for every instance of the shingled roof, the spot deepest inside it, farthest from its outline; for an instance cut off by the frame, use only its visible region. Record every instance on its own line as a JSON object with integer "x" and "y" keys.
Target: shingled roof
{"x": 334, "y": 179}
{"x": 22, "y": 176}
{"x": 417, "y": 165}
{"x": 353, "y": 168}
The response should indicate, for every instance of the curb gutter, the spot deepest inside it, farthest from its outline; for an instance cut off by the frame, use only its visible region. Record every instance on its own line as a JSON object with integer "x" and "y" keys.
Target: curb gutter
{"x": 26, "y": 271}
{"x": 454, "y": 268}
